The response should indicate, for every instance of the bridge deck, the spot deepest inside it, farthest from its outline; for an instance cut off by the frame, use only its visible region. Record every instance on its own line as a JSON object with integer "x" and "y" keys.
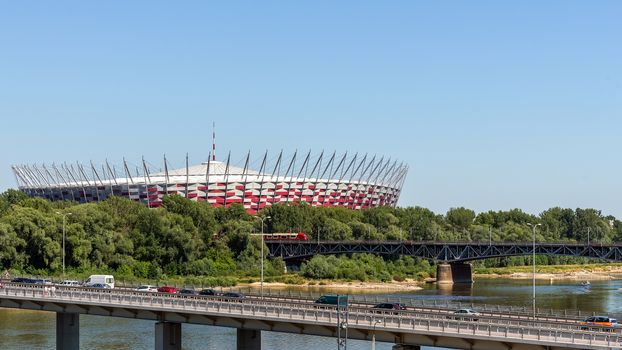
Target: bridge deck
{"x": 424, "y": 327}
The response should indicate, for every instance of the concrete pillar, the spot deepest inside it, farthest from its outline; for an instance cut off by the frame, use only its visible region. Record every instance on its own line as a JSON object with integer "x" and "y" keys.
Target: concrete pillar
{"x": 406, "y": 347}
{"x": 167, "y": 336}
{"x": 249, "y": 339}
{"x": 454, "y": 273}
{"x": 462, "y": 272}
{"x": 443, "y": 274}
{"x": 67, "y": 331}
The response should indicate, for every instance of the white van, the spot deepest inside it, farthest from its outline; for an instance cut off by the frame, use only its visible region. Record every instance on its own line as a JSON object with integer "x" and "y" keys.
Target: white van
{"x": 103, "y": 279}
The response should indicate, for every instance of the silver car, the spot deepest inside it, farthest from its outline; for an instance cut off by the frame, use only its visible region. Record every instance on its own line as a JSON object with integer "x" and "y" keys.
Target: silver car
{"x": 465, "y": 314}
{"x": 147, "y": 288}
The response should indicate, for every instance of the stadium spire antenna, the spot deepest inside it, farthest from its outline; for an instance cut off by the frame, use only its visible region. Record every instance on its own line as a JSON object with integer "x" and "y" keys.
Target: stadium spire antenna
{"x": 213, "y": 140}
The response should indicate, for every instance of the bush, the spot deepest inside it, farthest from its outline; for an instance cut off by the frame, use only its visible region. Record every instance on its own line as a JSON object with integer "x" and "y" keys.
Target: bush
{"x": 399, "y": 278}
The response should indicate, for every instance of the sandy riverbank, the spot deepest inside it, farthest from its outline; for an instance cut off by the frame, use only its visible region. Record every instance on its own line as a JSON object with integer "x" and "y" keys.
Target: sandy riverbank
{"x": 598, "y": 273}
{"x": 578, "y": 273}
{"x": 394, "y": 286}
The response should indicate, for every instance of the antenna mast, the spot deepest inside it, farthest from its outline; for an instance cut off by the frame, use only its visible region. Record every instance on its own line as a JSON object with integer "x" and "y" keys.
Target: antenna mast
{"x": 213, "y": 140}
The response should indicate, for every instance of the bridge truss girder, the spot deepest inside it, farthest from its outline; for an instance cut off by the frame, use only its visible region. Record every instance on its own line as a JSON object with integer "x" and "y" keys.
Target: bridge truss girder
{"x": 447, "y": 252}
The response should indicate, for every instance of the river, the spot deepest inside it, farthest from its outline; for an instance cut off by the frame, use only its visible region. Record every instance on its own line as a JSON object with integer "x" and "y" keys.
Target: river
{"x": 28, "y": 330}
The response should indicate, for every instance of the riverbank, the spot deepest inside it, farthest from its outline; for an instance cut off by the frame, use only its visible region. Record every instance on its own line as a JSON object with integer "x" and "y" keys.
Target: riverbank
{"x": 554, "y": 272}
{"x": 393, "y": 286}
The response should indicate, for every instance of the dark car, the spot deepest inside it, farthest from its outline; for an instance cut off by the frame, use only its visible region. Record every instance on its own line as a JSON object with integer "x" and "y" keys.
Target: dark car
{"x": 100, "y": 286}
{"x": 187, "y": 291}
{"x": 167, "y": 289}
{"x": 341, "y": 300}
{"x": 22, "y": 280}
{"x": 207, "y": 292}
{"x": 41, "y": 281}
{"x": 390, "y": 306}
{"x": 234, "y": 295}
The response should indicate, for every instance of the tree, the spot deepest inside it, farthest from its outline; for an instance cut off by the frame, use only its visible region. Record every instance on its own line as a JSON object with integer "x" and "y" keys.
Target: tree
{"x": 337, "y": 231}
{"x": 460, "y": 218}
{"x": 37, "y": 230}
{"x": 416, "y": 221}
{"x": 364, "y": 232}
{"x": 11, "y": 248}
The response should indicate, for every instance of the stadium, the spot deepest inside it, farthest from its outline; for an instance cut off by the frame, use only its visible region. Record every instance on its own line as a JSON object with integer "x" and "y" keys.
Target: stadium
{"x": 352, "y": 181}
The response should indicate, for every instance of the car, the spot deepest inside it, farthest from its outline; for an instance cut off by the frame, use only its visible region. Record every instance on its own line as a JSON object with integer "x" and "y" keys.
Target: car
{"x": 207, "y": 292}
{"x": 146, "y": 288}
{"x": 465, "y": 314}
{"x": 22, "y": 280}
{"x": 42, "y": 281}
{"x": 602, "y": 322}
{"x": 188, "y": 291}
{"x": 390, "y": 306}
{"x": 167, "y": 289}
{"x": 234, "y": 295}
{"x": 100, "y": 286}
{"x": 342, "y": 300}
{"x": 69, "y": 283}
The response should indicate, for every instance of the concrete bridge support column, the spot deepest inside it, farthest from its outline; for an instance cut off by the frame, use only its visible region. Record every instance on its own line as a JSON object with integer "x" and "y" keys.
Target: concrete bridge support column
{"x": 167, "y": 336}
{"x": 406, "y": 347}
{"x": 454, "y": 273}
{"x": 249, "y": 339}
{"x": 67, "y": 331}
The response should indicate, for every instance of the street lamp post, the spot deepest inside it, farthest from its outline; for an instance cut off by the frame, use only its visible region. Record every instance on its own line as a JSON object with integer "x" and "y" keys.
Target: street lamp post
{"x": 64, "y": 217}
{"x": 319, "y": 229}
{"x": 534, "y": 267}
{"x": 373, "y": 335}
{"x": 262, "y": 256}
{"x": 588, "y": 236}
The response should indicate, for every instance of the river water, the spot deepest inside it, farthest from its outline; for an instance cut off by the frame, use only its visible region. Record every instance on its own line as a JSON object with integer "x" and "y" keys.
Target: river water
{"x": 27, "y": 330}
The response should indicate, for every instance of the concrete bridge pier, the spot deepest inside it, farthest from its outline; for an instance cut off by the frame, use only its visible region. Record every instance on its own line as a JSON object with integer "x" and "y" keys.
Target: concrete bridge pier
{"x": 249, "y": 339}
{"x": 406, "y": 347}
{"x": 167, "y": 336}
{"x": 67, "y": 331}
{"x": 454, "y": 273}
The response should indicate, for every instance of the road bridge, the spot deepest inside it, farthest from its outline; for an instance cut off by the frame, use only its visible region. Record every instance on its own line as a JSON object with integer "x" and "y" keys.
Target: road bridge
{"x": 407, "y": 329}
{"x": 452, "y": 257}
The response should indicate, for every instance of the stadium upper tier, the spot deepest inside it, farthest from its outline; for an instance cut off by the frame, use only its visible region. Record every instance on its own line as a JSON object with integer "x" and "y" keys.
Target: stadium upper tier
{"x": 355, "y": 181}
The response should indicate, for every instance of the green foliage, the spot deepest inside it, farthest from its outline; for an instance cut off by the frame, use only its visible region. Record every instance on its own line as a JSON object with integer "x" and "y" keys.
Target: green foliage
{"x": 461, "y": 218}
{"x": 188, "y": 238}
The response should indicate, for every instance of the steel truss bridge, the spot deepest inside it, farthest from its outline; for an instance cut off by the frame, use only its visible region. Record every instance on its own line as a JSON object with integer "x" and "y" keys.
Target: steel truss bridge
{"x": 442, "y": 251}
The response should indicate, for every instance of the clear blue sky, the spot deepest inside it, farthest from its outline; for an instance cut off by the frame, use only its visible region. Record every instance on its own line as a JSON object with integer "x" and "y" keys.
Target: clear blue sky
{"x": 493, "y": 104}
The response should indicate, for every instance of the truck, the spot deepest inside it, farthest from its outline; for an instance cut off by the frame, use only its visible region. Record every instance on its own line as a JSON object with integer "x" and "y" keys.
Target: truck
{"x": 104, "y": 279}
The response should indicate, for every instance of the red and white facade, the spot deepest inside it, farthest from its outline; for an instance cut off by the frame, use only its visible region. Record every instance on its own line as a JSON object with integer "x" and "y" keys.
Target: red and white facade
{"x": 354, "y": 182}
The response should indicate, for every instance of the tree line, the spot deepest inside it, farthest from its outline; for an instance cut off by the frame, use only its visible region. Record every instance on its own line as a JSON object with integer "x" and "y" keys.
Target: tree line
{"x": 189, "y": 238}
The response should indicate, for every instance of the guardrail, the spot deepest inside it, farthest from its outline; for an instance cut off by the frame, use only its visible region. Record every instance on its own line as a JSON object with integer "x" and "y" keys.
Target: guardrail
{"x": 414, "y": 321}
